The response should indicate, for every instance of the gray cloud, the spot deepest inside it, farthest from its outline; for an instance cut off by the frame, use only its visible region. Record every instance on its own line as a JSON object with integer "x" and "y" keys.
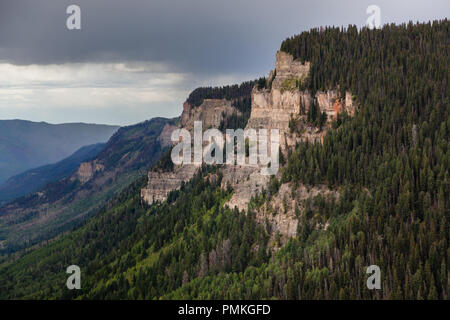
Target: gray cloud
{"x": 136, "y": 59}
{"x": 190, "y": 35}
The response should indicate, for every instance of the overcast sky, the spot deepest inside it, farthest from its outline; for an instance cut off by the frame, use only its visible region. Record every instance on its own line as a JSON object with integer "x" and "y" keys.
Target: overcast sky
{"x": 133, "y": 59}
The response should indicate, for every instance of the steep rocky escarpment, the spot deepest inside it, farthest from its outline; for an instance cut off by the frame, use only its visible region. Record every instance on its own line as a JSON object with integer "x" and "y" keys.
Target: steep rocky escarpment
{"x": 211, "y": 112}
{"x": 282, "y": 101}
{"x": 214, "y": 108}
{"x": 160, "y": 184}
{"x": 373, "y": 193}
{"x": 285, "y": 104}
{"x": 285, "y": 97}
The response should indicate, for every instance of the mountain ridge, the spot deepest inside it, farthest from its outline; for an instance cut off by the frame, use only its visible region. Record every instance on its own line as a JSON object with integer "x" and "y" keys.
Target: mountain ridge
{"x": 62, "y": 204}
{"x": 25, "y": 144}
{"x": 31, "y": 180}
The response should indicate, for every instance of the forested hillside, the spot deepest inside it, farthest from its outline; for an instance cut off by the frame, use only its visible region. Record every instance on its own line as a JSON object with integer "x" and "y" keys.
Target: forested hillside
{"x": 62, "y": 204}
{"x": 390, "y": 164}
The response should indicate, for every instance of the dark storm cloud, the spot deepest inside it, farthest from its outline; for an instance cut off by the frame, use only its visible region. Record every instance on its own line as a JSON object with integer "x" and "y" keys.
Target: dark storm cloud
{"x": 189, "y": 35}
{"x": 134, "y": 59}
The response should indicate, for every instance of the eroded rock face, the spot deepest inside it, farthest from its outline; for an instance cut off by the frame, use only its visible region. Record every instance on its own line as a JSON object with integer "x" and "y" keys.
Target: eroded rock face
{"x": 86, "y": 171}
{"x": 273, "y": 108}
{"x": 210, "y": 112}
{"x": 333, "y": 104}
{"x": 280, "y": 211}
{"x": 166, "y": 134}
{"x": 246, "y": 182}
{"x": 160, "y": 184}
{"x": 288, "y": 68}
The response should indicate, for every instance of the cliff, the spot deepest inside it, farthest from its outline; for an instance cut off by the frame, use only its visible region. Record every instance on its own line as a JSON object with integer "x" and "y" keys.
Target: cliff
{"x": 282, "y": 100}
{"x": 86, "y": 171}
{"x": 273, "y": 107}
{"x": 160, "y": 184}
{"x": 283, "y": 104}
{"x": 211, "y": 112}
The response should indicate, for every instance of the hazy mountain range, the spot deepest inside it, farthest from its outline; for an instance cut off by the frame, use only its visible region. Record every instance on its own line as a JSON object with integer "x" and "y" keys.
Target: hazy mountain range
{"x": 31, "y": 180}
{"x": 25, "y": 145}
{"x": 66, "y": 193}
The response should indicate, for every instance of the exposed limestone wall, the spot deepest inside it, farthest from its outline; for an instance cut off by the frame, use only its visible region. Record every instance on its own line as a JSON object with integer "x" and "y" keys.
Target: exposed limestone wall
{"x": 86, "y": 171}
{"x": 288, "y": 68}
{"x": 280, "y": 212}
{"x": 210, "y": 112}
{"x": 273, "y": 108}
{"x": 246, "y": 182}
{"x": 333, "y": 104}
{"x": 166, "y": 134}
{"x": 160, "y": 184}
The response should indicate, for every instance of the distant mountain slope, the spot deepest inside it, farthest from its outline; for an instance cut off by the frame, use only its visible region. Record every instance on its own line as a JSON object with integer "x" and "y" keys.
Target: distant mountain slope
{"x": 62, "y": 204}
{"x": 25, "y": 144}
{"x": 31, "y": 180}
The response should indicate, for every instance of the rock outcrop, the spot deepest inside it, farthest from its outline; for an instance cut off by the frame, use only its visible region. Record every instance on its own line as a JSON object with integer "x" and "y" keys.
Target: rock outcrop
{"x": 166, "y": 134}
{"x": 246, "y": 182}
{"x": 332, "y": 104}
{"x": 272, "y": 107}
{"x": 211, "y": 112}
{"x": 86, "y": 171}
{"x": 280, "y": 211}
{"x": 160, "y": 184}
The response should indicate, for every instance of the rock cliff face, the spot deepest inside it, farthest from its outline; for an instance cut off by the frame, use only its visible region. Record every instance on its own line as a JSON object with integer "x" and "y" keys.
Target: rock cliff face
{"x": 211, "y": 112}
{"x": 165, "y": 136}
{"x": 272, "y": 107}
{"x": 333, "y": 104}
{"x": 87, "y": 170}
{"x": 161, "y": 183}
{"x": 246, "y": 181}
{"x": 280, "y": 211}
